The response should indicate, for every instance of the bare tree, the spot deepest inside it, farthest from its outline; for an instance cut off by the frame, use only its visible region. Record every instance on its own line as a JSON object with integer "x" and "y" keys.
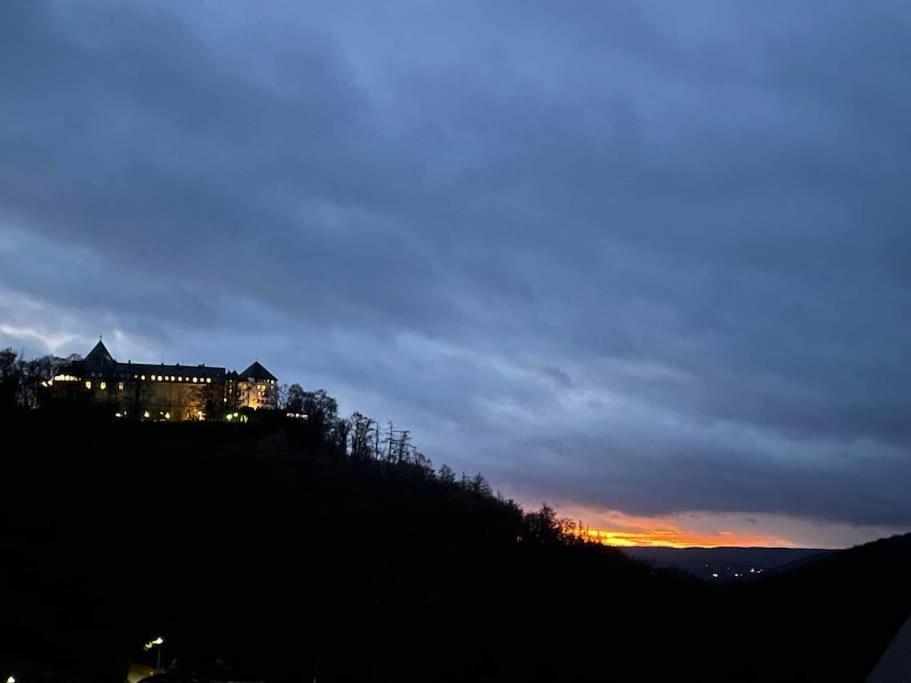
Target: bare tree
{"x": 362, "y": 436}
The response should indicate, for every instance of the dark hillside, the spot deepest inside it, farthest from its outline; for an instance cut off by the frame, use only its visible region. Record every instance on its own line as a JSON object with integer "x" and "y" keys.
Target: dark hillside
{"x": 265, "y": 547}
{"x": 249, "y": 543}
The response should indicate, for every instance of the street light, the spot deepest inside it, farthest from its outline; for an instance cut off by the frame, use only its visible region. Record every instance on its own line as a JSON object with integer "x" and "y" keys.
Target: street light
{"x": 158, "y": 642}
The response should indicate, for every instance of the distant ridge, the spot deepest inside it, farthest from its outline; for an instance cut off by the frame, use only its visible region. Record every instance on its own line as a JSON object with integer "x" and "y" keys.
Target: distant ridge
{"x": 726, "y": 563}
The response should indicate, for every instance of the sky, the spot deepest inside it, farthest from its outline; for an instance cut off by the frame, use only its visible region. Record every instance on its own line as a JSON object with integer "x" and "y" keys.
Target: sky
{"x": 646, "y": 261}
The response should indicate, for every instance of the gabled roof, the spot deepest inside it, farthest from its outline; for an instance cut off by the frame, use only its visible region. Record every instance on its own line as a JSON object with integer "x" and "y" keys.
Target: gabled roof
{"x": 99, "y": 355}
{"x": 257, "y": 371}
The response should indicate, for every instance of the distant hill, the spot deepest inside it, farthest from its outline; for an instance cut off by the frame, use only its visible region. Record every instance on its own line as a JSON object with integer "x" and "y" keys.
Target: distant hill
{"x": 726, "y": 564}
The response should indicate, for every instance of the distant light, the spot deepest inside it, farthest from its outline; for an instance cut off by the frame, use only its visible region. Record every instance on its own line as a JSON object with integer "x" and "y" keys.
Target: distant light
{"x": 88, "y": 384}
{"x": 103, "y": 386}
{"x": 159, "y": 378}
{"x": 194, "y": 379}
{"x": 167, "y": 416}
{"x": 714, "y": 575}
{"x": 143, "y": 378}
{"x": 208, "y": 380}
{"x": 145, "y": 414}
{"x": 172, "y": 378}
{"x": 117, "y": 415}
{"x": 10, "y": 680}
{"x": 180, "y": 379}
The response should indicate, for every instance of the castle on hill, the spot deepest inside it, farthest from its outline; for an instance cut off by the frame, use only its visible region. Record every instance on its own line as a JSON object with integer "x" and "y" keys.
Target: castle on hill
{"x": 163, "y": 392}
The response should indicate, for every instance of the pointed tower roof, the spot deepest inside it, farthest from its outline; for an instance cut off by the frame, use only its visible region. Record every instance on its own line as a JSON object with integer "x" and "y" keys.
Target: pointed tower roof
{"x": 257, "y": 371}
{"x": 100, "y": 355}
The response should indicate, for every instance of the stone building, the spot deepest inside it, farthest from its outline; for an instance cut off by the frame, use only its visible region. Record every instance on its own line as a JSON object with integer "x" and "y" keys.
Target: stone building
{"x": 163, "y": 392}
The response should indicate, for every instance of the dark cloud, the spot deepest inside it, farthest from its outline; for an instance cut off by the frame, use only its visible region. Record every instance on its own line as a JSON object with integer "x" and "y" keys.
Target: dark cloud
{"x": 628, "y": 255}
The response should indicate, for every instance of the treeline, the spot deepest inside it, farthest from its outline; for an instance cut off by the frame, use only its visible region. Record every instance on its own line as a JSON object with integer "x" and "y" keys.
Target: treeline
{"x": 22, "y": 382}
{"x": 23, "y": 385}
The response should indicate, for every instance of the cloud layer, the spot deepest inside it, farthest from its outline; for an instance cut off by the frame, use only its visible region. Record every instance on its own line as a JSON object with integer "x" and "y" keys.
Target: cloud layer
{"x": 627, "y": 256}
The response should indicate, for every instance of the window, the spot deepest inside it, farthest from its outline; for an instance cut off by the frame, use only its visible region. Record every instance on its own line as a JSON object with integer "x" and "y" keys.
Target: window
{"x": 143, "y": 378}
{"x": 208, "y": 380}
{"x": 88, "y": 384}
{"x": 159, "y": 378}
{"x": 119, "y": 386}
{"x": 103, "y": 386}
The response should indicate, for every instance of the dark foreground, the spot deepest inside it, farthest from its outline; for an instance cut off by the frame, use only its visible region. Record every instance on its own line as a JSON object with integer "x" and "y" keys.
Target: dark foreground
{"x": 259, "y": 552}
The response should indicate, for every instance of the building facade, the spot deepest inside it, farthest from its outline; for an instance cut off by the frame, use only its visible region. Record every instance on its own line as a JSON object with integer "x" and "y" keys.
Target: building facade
{"x": 178, "y": 392}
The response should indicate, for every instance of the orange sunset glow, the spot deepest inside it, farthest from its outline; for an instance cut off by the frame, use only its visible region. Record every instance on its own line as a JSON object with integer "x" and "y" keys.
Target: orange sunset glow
{"x": 618, "y": 529}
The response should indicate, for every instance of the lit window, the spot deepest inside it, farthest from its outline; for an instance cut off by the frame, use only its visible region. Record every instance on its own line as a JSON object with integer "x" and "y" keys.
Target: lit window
{"x": 103, "y": 386}
{"x": 119, "y": 386}
{"x": 180, "y": 379}
{"x": 194, "y": 379}
{"x": 143, "y": 378}
{"x": 167, "y": 416}
{"x": 145, "y": 414}
{"x": 88, "y": 384}
{"x": 172, "y": 378}
{"x": 208, "y": 380}
{"x": 152, "y": 378}
{"x": 159, "y": 378}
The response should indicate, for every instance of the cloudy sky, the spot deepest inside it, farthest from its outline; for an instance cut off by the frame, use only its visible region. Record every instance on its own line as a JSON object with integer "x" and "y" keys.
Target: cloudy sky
{"x": 648, "y": 261}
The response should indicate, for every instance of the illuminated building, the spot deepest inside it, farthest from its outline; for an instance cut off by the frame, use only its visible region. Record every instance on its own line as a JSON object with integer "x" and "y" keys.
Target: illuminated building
{"x": 256, "y": 387}
{"x": 162, "y": 392}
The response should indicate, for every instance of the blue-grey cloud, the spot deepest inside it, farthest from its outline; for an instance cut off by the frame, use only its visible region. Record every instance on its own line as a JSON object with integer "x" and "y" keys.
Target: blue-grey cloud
{"x": 630, "y": 255}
